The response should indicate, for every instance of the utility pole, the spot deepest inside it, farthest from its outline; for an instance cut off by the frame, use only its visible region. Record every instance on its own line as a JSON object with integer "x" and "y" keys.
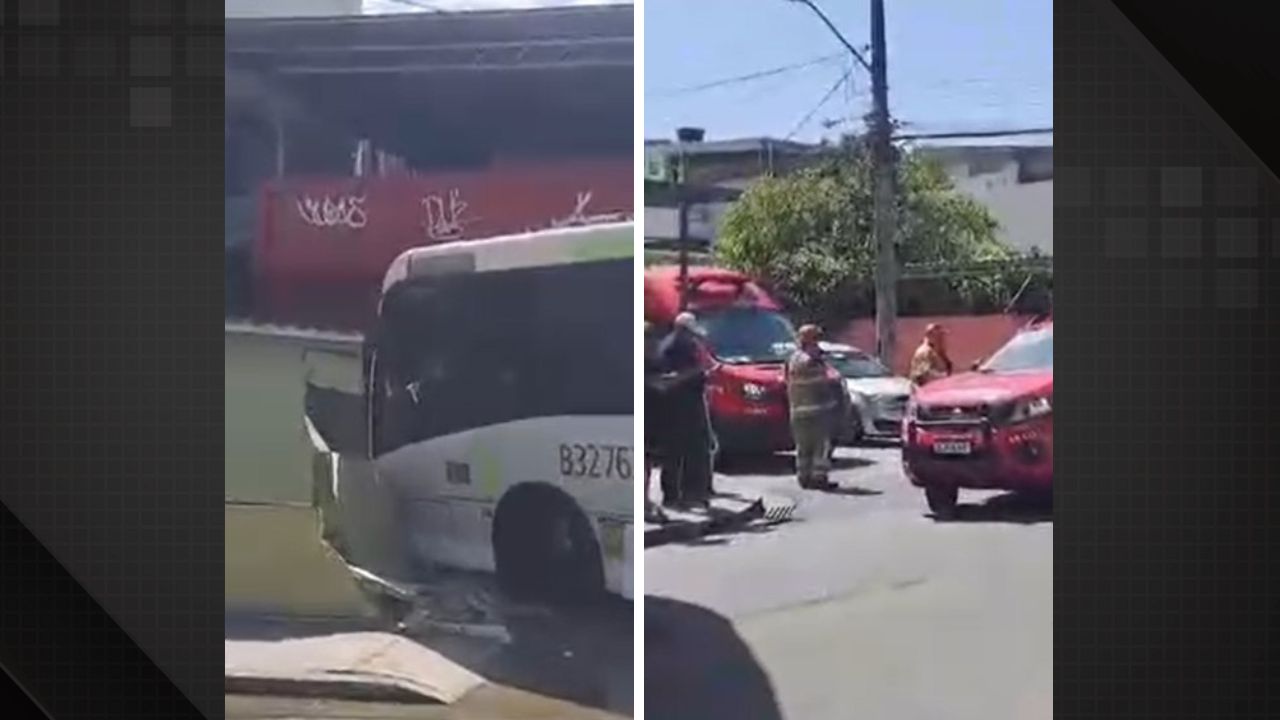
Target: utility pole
{"x": 684, "y": 136}
{"x": 884, "y": 222}
{"x": 677, "y": 185}
{"x": 684, "y": 250}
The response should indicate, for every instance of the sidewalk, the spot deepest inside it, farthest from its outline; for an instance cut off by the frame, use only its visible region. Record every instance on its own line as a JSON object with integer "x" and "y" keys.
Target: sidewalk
{"x": 373, "y": 675}
{"x": 356, "y": 665}
{"x": 457, "y": 655}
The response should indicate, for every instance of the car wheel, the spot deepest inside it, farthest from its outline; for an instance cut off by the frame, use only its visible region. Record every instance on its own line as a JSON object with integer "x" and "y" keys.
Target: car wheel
{"x": 853, "y": 428}
{"x": 942, "y": 500}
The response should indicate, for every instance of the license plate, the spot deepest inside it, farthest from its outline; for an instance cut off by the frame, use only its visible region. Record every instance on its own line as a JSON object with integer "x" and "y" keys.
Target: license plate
{"x": 953, "y": 447}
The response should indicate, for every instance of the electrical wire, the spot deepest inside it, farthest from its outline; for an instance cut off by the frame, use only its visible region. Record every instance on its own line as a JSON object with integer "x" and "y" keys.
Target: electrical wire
{"x": 825, "y": 98}
{"x": 836, "y": 31}
{"x": 750, "y": 77}
{"x": 974, "y": 134}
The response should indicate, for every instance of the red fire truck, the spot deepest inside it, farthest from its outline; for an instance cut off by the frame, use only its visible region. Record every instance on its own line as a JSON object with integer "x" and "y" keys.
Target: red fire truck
{"x": 750, "y": 339}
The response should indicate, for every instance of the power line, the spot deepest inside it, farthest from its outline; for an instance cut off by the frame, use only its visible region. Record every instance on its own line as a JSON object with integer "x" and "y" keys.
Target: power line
{"x": 749, "y": 77}
{"x": 809, "y": 116}
{"x": 836, "y": 31}
{"x": 975, "y": 134}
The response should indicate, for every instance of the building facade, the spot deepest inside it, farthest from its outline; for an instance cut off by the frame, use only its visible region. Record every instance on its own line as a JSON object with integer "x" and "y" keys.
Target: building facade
{"x": 1014, "y": 183}
{"x": 264, "y": 9}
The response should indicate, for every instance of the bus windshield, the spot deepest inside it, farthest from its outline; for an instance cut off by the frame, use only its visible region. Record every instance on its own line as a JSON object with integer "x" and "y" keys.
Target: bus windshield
{"x": 740, "y": 336}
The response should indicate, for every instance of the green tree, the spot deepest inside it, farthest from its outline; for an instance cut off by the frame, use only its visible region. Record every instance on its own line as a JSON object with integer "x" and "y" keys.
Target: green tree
{"x": 809, "y": 236}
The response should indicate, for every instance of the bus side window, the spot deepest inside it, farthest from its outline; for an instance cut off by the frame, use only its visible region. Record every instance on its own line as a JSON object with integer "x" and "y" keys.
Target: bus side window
{"x": 584, "y": 356}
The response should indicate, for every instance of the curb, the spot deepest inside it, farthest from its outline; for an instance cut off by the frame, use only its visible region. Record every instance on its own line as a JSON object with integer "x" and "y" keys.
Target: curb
{"x": 338, "y": 690}
{"x": 359, "y": 666}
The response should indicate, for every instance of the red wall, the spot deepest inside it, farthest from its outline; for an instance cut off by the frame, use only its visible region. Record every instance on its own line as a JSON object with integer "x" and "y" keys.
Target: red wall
{"x": 970, "y": 337}
{"x": 325, "y": 243}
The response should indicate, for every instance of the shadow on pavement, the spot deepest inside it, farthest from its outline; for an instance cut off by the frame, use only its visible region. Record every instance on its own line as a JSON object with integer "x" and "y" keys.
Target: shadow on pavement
{"x": 580, "y": 655}
{"x": 853, "y": 491}
{"x": 715, "y": 526}
{"x": 698, "y": 668}
{"x": 725, "y": 535}
{"x": 583, "y": 655}
{"x": 783, "y": 465}
{"x": 1015, "y": 508}
{"x": 733, "y": 496}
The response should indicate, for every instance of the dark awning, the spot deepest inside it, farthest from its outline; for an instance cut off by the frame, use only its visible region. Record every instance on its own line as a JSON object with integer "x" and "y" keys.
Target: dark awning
{"x": 547, "y": 81}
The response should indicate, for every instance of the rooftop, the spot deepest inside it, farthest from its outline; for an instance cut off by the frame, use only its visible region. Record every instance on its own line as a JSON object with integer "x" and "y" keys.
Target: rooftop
{"x": 1035, "y": 161}
{"x": 513, "y": 77}
{"x": 735, "y": 146}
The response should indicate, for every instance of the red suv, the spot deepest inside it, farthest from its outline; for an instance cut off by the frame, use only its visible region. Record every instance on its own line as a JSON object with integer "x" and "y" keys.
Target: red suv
{"x": 991, "y": 428}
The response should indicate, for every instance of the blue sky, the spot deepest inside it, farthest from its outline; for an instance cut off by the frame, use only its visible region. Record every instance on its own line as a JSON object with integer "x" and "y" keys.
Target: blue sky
{"x": 953, "y": 65}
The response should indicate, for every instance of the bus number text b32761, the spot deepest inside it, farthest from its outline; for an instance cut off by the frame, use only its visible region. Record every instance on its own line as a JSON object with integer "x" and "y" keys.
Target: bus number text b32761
{"x": 595, "y": 461}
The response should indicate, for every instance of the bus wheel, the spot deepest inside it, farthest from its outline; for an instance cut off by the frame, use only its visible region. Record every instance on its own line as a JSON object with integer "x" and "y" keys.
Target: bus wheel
{"x": 545, "y": 548}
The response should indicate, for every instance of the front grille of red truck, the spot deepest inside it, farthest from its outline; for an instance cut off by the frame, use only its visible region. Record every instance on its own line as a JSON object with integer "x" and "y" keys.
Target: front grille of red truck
{"x": 951, "y": 413}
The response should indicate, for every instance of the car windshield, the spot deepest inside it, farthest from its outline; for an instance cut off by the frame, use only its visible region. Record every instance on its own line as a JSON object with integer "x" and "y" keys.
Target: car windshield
{"x": 748, "y": 335}
{"x": 1028, "y": 351}
{"x": 857, "y": 365}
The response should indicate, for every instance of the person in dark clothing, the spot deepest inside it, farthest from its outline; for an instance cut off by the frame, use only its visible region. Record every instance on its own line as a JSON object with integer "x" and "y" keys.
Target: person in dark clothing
{"x": 686, "y": 462}
{"x": 653, "y": 414}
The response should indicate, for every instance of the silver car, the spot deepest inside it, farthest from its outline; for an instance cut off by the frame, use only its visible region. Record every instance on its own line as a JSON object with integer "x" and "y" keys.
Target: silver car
{"x": 877, "y": 398}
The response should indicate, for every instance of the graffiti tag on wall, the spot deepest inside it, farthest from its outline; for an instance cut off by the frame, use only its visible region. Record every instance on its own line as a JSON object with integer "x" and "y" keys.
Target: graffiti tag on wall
{"x": 579, "y": 215}
{"x": 328, "y": 212}
{"x": 446, "y": 216}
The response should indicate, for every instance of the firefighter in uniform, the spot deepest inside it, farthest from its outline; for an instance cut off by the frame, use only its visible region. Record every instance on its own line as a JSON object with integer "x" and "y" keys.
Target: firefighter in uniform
{"x": 813, "y": 401}
{"x": 930, "y": 361}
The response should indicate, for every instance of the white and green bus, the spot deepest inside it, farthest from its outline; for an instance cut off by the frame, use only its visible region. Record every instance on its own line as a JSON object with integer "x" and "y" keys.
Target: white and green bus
{"x": 498, "y": 385}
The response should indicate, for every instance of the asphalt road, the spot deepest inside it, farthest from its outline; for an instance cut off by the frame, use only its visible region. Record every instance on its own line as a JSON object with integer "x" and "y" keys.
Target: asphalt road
{"x": 862, "y": 607}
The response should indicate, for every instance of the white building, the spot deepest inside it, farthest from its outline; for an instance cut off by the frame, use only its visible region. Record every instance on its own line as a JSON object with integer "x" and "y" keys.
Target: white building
{"x": 1014, "y": 182}
{"x": 1016, "y": 185}
{"x": 717, "y": 173}
{"x": 262, "y": 9}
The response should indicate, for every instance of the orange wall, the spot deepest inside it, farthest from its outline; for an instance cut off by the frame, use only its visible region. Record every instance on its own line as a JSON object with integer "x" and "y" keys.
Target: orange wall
{"x": 971, "y": 337}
